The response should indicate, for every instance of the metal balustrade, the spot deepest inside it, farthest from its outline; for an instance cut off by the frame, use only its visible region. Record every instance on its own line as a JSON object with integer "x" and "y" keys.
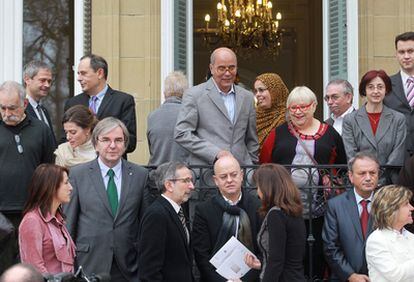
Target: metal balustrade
{"x": 313, "y": 190}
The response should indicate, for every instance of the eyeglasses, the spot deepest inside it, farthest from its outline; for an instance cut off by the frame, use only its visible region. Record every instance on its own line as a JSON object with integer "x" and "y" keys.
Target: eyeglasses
{"x": 186, "y": 180}
{"x": 259, "y": 90}
{"x": 372, "y": 87}
{"x": 18, "y": 144}
{"x": 233, "y": 175}
{"x": 107, "y": 141}
{"x": 302, "y": 108}
{"x": 332, "y": 97}
{"x": 223, "y": 69}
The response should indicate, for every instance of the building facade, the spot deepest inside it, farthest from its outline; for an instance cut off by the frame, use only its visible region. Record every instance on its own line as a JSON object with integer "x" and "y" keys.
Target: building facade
{"x": 143, "y": 40}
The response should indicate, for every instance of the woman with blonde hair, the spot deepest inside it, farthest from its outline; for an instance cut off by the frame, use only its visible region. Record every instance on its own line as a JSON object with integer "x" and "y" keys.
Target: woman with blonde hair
{"x": 390, "y": 248}
{"x": 271, "y": 93}
{"x": 304, "y": 140}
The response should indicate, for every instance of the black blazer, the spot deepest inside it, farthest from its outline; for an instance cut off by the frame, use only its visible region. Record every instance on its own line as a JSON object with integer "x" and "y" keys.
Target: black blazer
{"x": 114, "y": 104}
{"x": 164, "y": 254}
{"x": 206, "y": 226}
{"x": 30, "y": 111}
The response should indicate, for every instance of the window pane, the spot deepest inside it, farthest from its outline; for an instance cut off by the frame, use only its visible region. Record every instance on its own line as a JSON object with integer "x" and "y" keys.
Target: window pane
{"x": 48, "y": 36}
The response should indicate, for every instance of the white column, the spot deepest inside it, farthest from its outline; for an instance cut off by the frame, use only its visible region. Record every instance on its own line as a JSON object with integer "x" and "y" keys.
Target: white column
{"x": 353, "y": 47}
{"x": 79, "y": 52}
{"x": 190, "y": 47}
{"x": 11, "y": 43}
{"x": 325, "y": 54}
{"x": 167, "y": 41}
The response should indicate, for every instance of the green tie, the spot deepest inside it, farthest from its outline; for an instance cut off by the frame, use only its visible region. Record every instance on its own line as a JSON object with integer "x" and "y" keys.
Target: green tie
{"x": 111, "y": 191}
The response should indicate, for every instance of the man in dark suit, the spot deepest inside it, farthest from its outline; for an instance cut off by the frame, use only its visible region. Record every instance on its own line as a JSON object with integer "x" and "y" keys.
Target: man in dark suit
{"x": 101, "y": 98}
{"x": 108, "y": 199}
{"x": 37, "y": 77}
{"x": 217, "y": 117}
{"x": 232, "y": 212}
{"x": 339, "y": 96}
{"x": 401, "y": 97}
{"x": 348, "y": 222}
{"x": 164, "y": 240}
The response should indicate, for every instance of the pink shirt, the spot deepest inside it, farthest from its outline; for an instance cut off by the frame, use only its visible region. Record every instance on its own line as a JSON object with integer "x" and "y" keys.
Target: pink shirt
{"x": 45, "y": 243}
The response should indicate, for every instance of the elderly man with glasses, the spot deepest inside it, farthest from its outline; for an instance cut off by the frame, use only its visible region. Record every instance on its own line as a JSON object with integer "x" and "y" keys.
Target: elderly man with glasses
{"x": 217, "y": 117}
{"x": 338, "y": 97}
{"x": 25, "y": 143}
{"x": 164, "y": 239}
{"x": 108, "y": 200}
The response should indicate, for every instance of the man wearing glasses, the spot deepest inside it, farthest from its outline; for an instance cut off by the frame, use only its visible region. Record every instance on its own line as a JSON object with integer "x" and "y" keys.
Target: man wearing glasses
{"x": 339, "y": 95}
{"x": 164, "y": 240}
{"x": 25, "y": 143}
{"x": 232, "y": 212}
{"x": 217, "y": 117}
{"x": 104, "y": 213}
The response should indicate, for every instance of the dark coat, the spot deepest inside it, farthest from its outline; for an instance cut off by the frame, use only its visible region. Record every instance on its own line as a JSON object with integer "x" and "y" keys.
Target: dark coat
{"x": 164, "y": 254}
{"x": 397, "y": 101}
{"x": 30, "y": 111}
{"x": 206, "y": 226}
{"x": 114, "y": 104}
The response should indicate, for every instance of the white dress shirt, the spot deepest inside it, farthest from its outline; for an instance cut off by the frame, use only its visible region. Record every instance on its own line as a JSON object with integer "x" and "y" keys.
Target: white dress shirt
{"x": 338, "y": 121}
{"x": 34, "y": 105}
{"x": 359, "y": 199}
{"x": 175, "y": 206}
{"x": 229, "y": 100}
{"x": 117, "y": 177}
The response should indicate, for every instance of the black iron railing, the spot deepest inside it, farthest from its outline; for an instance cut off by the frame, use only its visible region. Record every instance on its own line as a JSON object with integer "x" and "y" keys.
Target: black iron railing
{"x": 318, "y": 184}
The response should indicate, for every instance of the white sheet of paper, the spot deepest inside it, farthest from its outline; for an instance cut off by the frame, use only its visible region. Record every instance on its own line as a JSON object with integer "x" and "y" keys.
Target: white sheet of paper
{"x": 229, "y": 260}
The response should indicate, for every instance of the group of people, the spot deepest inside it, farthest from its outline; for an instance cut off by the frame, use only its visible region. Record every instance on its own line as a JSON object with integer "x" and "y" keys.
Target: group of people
{"x": 82, "y": 203}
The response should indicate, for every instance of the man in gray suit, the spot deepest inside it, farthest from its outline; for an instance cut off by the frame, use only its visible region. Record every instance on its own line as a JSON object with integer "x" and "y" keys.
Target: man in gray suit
{"x": 161, "y": 123}
{"x": 108, "y": 199}
{"x": 399, "y": 98}
{"x": 348, "y": 222}
{"x": 338, "y": 97}
{"x": 218, "y": 117}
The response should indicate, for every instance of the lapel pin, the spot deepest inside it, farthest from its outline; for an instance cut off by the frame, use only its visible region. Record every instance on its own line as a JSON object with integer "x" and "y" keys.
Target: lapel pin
{"x": 130, "y": 173}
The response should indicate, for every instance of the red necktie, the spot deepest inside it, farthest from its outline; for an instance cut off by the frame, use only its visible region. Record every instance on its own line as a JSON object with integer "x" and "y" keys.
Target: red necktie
{"x": 364, "y": 217}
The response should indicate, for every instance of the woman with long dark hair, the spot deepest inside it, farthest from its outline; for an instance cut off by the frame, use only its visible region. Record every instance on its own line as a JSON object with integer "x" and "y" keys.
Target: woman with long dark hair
{"x": 44, "y": 240}
{"x": 282, "y": 236}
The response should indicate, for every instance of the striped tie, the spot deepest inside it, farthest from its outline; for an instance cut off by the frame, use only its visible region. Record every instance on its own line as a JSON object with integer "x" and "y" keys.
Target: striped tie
{"x": 184, "y": 223}
{"x": 410, "y": 91}
{"x": 93, "y": 104}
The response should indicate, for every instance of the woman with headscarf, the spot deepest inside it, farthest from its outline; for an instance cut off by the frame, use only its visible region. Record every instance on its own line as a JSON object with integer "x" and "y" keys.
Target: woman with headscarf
{"x": 271, "y": 94}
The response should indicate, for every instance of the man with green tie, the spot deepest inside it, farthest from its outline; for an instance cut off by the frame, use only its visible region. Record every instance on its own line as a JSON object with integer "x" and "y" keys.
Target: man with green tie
{"x": 106, "y": 206}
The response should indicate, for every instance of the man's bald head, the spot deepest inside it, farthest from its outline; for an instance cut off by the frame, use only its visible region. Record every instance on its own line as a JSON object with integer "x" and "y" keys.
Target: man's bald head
{"x": 221, "y": 51}
{"x": 21, "y": 273}
{"x": 224, "y": 162}
{"x": 228, "y": 177}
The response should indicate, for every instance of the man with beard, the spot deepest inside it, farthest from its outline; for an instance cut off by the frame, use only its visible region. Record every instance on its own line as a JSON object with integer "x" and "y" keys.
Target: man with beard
{"x": 25, "y": 143}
